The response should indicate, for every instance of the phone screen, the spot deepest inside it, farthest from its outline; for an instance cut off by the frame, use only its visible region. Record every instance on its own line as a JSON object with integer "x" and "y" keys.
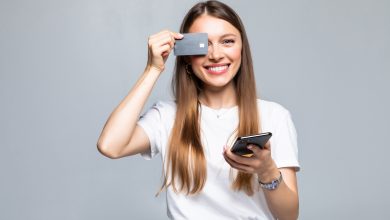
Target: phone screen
{"x": 259, "y": 140}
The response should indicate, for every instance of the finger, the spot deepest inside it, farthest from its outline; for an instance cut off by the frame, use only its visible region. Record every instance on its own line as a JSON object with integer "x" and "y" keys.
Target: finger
{"x": 164, "y": 50}
{"x": 268, "y": 145}
{"x": 163, "y": 33}
{"x": 154, "y": 39}
{"x": 160, "y": 51}
{"x": 224, "y": 149}
{"x": 165, "y": 54}
{"x": 238, "y": 166}
{"x": 162, "y": 40}
{"x": 159, "y": 36}
{"x": 238, "y": 158}
{"x": 246, "y": 164}
{"x": 174, "y": 36}
{"x": 227, "y": 160}
{"x": 255, "y": 149}
{"x": 172, "y": 42}
{"x": 177, "y": 35}
{"x": 166, "y": 39}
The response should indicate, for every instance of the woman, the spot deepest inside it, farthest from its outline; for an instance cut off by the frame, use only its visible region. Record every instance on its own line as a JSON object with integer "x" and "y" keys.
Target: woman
{"x": 215, "y": 102}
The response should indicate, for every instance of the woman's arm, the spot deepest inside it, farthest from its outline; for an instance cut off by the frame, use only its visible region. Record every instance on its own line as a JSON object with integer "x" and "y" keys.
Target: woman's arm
{"x": 121, "y": 136}
{"x": 282, "y": 201}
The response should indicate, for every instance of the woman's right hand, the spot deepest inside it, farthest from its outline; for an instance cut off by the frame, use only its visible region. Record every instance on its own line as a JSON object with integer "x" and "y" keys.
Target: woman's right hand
{"x": 160, "y": 46}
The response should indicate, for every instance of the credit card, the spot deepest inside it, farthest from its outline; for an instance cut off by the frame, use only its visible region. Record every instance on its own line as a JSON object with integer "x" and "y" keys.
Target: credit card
{"x": 191, "y": 44}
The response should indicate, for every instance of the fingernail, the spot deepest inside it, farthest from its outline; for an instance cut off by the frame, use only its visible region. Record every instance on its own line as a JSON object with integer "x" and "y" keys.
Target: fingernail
{"x": 249, "y": 146}
{"x": 224, "y": 149}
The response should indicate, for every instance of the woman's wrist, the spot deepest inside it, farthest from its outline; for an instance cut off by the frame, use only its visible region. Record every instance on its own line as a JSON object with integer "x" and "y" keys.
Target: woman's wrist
{"x": 269, "y": 174}
{"x": 154, "y": 68}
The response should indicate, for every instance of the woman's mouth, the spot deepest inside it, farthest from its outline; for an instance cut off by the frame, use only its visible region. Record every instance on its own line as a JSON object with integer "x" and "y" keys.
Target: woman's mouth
{"x": 217, "y": 69}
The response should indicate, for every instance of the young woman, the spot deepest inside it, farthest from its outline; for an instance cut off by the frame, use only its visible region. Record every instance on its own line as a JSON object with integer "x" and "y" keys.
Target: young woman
{"x": 215, "y": 102}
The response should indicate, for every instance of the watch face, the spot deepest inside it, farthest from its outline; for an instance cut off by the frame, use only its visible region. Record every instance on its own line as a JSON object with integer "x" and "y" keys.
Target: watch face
{"x": 272, "y": 185}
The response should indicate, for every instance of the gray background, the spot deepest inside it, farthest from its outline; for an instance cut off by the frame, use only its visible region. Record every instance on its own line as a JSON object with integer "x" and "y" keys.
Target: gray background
{"x": 64, "y": 66}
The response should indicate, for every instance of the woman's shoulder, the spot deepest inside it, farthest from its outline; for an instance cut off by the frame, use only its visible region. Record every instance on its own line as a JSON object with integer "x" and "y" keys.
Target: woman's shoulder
{"x": 165, "y": 106}
{"x": 165, "y": 103}
{"x": 271, "y": 108}
{"x": 160, "y": 109}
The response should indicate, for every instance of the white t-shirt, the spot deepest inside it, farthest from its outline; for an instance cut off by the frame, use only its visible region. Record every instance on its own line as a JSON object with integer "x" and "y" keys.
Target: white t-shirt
{"x": 217, "y": 200}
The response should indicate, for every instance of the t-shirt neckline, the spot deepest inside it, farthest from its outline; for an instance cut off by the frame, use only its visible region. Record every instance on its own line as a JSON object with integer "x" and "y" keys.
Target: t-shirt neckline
{"x": 218, "y": 113}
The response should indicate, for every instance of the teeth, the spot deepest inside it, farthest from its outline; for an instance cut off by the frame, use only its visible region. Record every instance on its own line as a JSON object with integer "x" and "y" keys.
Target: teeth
{"x": 218, "y": 68}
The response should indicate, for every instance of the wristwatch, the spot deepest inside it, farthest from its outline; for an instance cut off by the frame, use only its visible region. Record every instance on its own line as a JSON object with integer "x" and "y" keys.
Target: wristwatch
{"x": 273, "y": 184}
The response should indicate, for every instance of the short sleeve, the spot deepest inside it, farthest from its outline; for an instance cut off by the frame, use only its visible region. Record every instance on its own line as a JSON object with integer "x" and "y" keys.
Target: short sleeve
{"x": 151, "y": 123}
{"x": 284, "y": 147}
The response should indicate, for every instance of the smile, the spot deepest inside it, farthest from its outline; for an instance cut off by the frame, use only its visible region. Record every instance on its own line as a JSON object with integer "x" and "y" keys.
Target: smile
{"x": 220, "y": 69}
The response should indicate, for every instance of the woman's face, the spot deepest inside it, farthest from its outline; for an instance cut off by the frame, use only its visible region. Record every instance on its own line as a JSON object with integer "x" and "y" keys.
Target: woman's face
{"x": 220, "y": 65}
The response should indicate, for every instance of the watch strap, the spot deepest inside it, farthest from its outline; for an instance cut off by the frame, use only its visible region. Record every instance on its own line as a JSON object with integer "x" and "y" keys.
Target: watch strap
{"x": 273, "y": 184}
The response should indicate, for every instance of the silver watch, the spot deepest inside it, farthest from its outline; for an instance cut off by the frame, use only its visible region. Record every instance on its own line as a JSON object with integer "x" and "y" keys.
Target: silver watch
{"x": 273, "y": 184}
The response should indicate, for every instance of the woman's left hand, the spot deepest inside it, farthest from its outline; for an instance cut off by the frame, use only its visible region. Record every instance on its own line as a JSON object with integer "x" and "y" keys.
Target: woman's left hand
{"x": 260, "y": 163}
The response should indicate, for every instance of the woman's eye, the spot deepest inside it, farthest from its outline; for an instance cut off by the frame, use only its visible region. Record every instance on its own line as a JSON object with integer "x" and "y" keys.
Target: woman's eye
{"x": 228, "y": 41}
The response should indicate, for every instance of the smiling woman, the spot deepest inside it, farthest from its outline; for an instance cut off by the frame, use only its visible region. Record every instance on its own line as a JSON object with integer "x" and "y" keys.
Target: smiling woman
{"x": 223, "y": 60}
{"x": 203, "y": 178}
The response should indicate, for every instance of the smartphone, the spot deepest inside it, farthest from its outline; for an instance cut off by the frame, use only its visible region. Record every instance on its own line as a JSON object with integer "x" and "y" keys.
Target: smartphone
{"x": 241, "y": 143}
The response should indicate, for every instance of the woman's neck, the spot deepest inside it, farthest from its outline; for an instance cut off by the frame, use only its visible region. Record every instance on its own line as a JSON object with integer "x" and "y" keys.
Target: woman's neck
{"x": 219, "y": 98}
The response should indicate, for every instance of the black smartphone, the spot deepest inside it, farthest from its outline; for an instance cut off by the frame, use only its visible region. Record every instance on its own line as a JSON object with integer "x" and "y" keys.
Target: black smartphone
{"x": 240, "y": 145}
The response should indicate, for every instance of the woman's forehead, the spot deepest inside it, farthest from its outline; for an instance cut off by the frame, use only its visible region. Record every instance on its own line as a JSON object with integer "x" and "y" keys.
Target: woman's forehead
{"x": 215, "y": 27}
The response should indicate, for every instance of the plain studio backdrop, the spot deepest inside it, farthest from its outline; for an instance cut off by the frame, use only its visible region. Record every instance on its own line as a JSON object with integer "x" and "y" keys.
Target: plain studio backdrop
{"x": 65, "y": 65}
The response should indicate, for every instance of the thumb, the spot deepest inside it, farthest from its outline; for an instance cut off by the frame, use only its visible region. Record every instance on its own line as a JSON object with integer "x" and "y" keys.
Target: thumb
{"x": 255, "y": 149}
{"x": 267, "y": 146}
{"x": 177, "y": 35}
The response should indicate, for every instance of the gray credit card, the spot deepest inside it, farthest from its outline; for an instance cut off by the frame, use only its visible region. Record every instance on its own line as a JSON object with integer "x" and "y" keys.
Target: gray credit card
{"x": 192, "y": 44}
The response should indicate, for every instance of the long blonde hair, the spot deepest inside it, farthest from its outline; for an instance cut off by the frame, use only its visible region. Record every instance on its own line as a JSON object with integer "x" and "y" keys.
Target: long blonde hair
{"x": 186, "y": 164}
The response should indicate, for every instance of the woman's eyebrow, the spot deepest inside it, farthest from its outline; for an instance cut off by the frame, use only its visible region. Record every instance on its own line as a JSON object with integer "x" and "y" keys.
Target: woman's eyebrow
{"x": 225, "y": 35}
{"x": 228, "y": 35}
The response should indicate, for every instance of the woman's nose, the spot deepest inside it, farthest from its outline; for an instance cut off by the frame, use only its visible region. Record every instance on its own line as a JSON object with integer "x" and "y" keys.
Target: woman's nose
{"x": 215, "y": 52}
